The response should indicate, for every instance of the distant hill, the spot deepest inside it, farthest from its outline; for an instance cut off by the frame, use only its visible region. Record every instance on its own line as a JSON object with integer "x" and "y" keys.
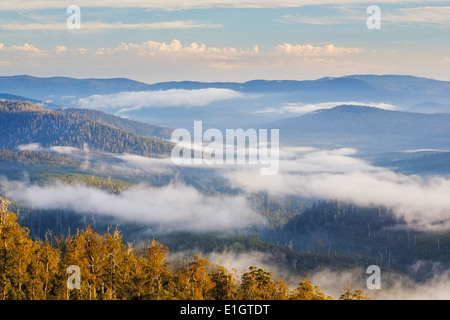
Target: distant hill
{"x": 139, "y": 128}
{"x": 57, "y": 87}
{"x": 430, "y": 107}
{"x": 24, "y": 123}
{"x": 366, "y": 128}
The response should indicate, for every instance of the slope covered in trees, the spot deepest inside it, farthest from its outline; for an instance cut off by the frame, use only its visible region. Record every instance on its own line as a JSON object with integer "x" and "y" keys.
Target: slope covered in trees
{"x": 113, "y": 270}
{"x": 136, "y": 127}
{"x": 332, "y": 226}
{"x": 23, "y": 123}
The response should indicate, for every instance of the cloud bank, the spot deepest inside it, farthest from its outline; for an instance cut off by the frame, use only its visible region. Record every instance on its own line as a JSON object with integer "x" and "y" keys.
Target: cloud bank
{"x": 336, "y": 174}
{"x": 180, "y": 4}
{"x": 132, "y": 100}
{"x": 172, "y": 208}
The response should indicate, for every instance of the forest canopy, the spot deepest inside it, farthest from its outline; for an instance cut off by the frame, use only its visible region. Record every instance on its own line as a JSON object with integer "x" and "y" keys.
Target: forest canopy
{"x": 113, "y": 270}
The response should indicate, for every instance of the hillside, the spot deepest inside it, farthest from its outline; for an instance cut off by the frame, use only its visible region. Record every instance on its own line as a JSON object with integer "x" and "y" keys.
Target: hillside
{"x": 23, "y": 123}
{"x": 336, "y": 227}
{"x": 136, "y": 127}
{"x": 366, "y": 128}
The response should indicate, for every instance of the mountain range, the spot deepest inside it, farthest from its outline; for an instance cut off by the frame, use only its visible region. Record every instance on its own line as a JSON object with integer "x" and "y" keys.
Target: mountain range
{"x": 401, "y": 89}
{"x": 375, "y": 113}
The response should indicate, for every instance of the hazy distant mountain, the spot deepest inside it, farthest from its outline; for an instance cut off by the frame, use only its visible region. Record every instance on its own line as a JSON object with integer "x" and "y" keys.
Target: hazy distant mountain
{"x": 366, "y": 128}
{"x": 430, "y": 107}
{"x": 58, "y": 87}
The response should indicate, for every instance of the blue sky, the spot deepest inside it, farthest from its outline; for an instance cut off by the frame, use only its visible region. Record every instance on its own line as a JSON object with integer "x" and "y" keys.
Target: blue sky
{"x": 224, "y": 40}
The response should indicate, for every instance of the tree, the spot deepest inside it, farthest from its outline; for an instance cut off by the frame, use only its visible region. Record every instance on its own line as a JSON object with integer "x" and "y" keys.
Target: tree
{"x": 15, "y": 255}
{"x": 117, "y": 266}
{"x": 257, "y": 284}
{"x": 41, "y": 270}
{"x": 157, "y": 274}
{"x": 225, "y": 287}
{"x": 193, "y": 281}
{"x": 306, "y": 290}
{"x": 348, "y": 294}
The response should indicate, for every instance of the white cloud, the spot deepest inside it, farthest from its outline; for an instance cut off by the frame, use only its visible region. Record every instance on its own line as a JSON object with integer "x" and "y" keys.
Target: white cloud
{"x": 164, "y": 98}
{"x": 170, "y": 208}
{"x": 36, "y": 147}
{"x": 26, "y": 48}
{"x": 181, "y": 4}
{"x": 152, "y": 48}
{"x": 337, "y": 174}
{"x": 30, "y": 147}
{"x": 61, "y": 49}
{"x": 308, "y": 50}
{"x": 104, "y": 26}
{"x": 393, "y": 286}
{"x": 145, "y": 164}
{"x": 437, "y": 15}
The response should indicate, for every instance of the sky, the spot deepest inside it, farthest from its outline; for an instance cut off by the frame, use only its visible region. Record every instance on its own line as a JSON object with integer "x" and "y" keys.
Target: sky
{"x": 223, "y": 40}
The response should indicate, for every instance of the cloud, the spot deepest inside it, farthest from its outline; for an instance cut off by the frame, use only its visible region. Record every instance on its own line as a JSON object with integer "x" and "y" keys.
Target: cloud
{"x": 309, "y": 50}
{"x": 436, "y": 15}
{"x": 181, "y": 4}
{"x": 30, "y": 147}
{"x": 158, "y": 58}
{"x": 424, "y": 15}
{"x": 96, "y": 26}
{"x": 61, "y": 49}
{"x": 132, "y": 100}
{"x": 171, "y": 208}
{"x": 26, "y": 48}
{"x": 336, "y": 174}
{"x": 152, "y": 48}
{"x": 148, "y": 165}
{"x": 36, "y": 147}
{"x": 394, "y": 286}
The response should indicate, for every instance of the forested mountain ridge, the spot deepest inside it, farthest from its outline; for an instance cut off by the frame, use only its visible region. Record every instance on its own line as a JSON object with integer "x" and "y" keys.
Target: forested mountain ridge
{"x": 21, "y": 106}
{"x": 333, "y": 226}
{"x": 24, "y": 123}
{"x": 139, "y": 128}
